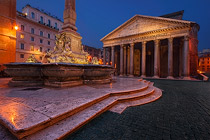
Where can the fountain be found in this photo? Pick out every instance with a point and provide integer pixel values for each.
(67, 65)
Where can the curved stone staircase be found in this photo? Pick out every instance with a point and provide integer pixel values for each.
(64, 124)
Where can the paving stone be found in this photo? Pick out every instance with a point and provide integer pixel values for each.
(182, 113)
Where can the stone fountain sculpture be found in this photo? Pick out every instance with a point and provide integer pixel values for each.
(68, 63)
(63, 52)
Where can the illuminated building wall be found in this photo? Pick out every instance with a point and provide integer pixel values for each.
(36, 34)
(7, 31)
(93, 52)
(204, 63)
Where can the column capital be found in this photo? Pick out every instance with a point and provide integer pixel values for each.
(144, 43)
(157, 42)
(171, 39)
(122, 45)
(112, 47)
(186, 38)
(132, 44)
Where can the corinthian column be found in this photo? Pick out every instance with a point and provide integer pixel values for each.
(143, 68)
(186, 64)
(125, 59)
(121, 60)
(170, 58)
(104, 56)
(112, 57)
(157, 59)
(131, 59)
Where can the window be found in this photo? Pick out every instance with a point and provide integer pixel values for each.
(56, 25)
(21, 55)
(41, 33)
(41, 40)
(41, 19)
(22, 36)
(32, 30)
(32, 38)
(40, 49)
(49, 36)
(48, 42)
(49, 23)
(48, 50)
(32, 48)
(22, 27)
(33, 15)
(22, 46)
(55, 37)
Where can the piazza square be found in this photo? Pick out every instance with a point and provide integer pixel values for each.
(78, 70)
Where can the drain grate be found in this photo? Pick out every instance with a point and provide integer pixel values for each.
(32, 89)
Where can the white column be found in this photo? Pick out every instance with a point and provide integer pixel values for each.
(125, 60)
(108, 55)
(157, 59)
(143, 68)
(186, 60)
(131, 59)
(104, 56)
(170, 58)
(121, 60)
(112, 58)
(128, 61)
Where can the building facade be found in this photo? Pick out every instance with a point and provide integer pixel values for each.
(7, 32)
(36, 33)
(153, 47)
(204, 62)
(93, 52)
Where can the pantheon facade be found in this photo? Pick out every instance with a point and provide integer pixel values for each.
(160, 47)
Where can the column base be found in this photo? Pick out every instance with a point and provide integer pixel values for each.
(187, 78)
(131, 76)
(170, 77)
(143, 76)
(121, 75)
(156, 77)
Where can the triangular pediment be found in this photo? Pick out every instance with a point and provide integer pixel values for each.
(142, 24)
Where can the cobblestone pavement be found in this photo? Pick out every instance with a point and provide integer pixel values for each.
(183, 112)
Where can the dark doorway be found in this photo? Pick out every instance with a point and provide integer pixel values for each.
(150, 59)
(137, 59)
(117, 59)
(164, 58)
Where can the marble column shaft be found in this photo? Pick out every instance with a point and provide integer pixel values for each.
(112, 57)
(170, 58)
(186, 64)
(131, 59)
(157, 59)
(144, 59)
(125, 60)
(121, 60)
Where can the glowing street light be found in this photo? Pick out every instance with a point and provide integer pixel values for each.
(16, 27)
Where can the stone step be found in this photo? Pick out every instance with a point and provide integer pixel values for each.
(69, 125)
(40, 124)
(120, 107)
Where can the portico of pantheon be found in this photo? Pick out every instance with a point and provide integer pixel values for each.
(147, 46)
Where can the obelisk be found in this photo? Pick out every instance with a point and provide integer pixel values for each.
(70, 30)
(70, 15)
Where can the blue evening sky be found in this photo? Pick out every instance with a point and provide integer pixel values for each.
(97, 18)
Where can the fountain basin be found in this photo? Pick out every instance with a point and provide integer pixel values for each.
(58, 74)
(97, 74)
(24, 74)
(62, 75)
